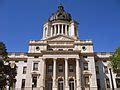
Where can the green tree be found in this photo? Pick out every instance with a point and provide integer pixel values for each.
(115, 60)
(3, 56)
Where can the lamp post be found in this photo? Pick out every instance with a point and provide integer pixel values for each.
(111, 77)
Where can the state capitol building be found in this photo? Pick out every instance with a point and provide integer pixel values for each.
(62, 61)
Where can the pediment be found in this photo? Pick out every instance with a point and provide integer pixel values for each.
(60, 38)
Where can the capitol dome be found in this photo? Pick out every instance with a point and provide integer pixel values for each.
(60, 14)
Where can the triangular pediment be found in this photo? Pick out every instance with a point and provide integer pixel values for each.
(60, 38)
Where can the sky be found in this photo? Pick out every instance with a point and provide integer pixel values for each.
(22, 20)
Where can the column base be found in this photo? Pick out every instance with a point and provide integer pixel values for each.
(54, 88)
(78, 88)
(67, 88)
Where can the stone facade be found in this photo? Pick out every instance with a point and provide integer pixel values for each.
(61, 61)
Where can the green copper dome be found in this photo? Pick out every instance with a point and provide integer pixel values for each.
(60, 14)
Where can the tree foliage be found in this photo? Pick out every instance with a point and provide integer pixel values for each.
(115, 60)
(3, 50)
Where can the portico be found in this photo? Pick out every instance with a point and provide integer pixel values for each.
(63, 73)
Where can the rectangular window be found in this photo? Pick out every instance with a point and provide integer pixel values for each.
(98, 84)
(34, 81)
(24, 70)
(86, 81)
(23, 83)
(71, 68)
(60, 68)
(105, 69)
(50, 68)
(85, 66)
(118, 83)
(35, 66)
(97, 69)
(49, 85)
(107, 83)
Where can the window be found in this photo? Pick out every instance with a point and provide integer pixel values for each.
(60, 84)
(60, 68)
(70, 49)
(37, 48)
(84, 48)
(118, 83)
(34, 81)
(23, 83)
(36, 56)
(107, 83)
(98, 84)
(16, 61)
(105, 69)
(86, 81)
(97, 69)
(24, 70)
(50, 68)
(85, 56)
(35, 66)
(85, 66)
(104, 60)
(49, 85)
(60, 49)
(25, 61)
(71, 84)
(71, 68)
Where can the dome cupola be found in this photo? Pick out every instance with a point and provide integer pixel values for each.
(60, 14)
(60, 23)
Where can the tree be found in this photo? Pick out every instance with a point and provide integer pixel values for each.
(115, 60)
(7, 72)
(3, 51)
(3, 56)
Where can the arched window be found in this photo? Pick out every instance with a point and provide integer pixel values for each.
(71, 84)
(60, 84)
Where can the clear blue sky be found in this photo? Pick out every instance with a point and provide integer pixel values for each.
(22, 20)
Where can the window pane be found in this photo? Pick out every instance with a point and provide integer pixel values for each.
(34, 81)
(35, 66)
(24, 70)
(60, 68)
(118, 83)
(50, 68)
(23, 83)
(71, 68)
(107, 83)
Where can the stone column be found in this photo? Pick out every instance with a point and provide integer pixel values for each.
(66, 74)
(51, 31)
(65, 29)
(55, 30)
(58, 29)
(54, 75)
(62, 29)
(78, 75)
(43, 74)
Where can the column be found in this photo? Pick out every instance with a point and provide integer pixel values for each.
(78, 75)
(51, 31)
(62, 29)
(66, 74)
(58, 29)
(65, 29)
(41, 80)
(55, 30)
(54, 75)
